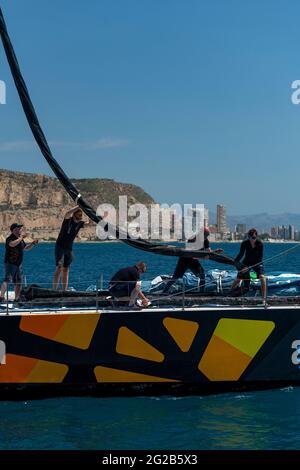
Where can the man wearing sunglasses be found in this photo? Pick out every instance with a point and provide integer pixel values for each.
(252, 251)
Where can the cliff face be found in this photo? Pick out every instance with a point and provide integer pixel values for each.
(39, 202)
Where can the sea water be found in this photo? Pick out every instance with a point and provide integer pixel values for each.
(256, 420)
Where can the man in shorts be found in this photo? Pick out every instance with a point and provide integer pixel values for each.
(14, 248)
(252, 251)
(126, 284)
(72, 223)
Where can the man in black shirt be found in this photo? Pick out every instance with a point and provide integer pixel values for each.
(192, 264)
(252, 250)
(14, 248)
(72, 223)
(126, 285)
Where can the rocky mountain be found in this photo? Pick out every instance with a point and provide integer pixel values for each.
(39, 202)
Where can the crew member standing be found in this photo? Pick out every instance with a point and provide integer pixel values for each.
(14, 248)
(72, 223)
(252, 250)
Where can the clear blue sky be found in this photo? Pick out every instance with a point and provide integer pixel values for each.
(189, 99)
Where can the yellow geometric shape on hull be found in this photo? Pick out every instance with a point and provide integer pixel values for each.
(130, 344)
(182, 331)
(106, 374)
(47, 372)
(221, 361)
(72, 329)
(246, 335)
(22, 369)
(78, 330)
(233, 345)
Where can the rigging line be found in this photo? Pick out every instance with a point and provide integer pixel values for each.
(282, 253)
(174, 294)
(35, 127)
(73, 192)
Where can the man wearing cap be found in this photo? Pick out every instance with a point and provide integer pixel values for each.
(126, 285)
(14, 248)
(72, 223)
(192, 264)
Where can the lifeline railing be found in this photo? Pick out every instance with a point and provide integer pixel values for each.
(96, 300)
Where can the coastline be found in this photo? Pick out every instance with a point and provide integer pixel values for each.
(80, 242)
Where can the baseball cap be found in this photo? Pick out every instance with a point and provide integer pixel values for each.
(13, 226)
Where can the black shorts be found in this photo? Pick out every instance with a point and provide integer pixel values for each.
(13, 273)
(122, 289)
(259, 270)
(183, 264)
(63, 256)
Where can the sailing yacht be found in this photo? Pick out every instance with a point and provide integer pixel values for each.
(85, 344)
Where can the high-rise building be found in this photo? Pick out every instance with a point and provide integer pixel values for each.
(195, 221)
(286, 232)
(199, 217)
(221, 219)
(281, 231)
(241, 229)
(291, 232)
(206, 218)
(274, 232)
(297, 235)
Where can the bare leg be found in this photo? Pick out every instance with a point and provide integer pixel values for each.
(3, 289)
(135, 293)
(235, 283)
(65, 278)
(56, 277)
(263, 286)
(18, 288)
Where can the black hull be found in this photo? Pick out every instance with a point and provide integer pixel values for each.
(195, 351)
(17, 392)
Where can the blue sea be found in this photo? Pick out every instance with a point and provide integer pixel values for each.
(256, 420)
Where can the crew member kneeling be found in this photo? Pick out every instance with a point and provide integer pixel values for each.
(126, 284)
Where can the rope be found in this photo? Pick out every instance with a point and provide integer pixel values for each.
(275, 256)
(282, 253)
(211, 283)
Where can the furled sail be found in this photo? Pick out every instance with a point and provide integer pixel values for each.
(157, 248)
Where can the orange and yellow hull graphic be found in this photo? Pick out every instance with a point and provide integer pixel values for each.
(198, 350)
